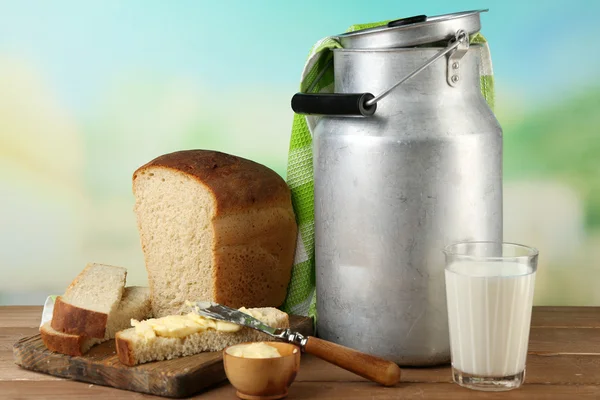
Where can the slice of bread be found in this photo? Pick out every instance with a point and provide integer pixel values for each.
(92, 296)
(214, 227)
(134, 304)
(133, 348)
(64, 343)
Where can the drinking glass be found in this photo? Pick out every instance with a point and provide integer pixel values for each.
(489, 289)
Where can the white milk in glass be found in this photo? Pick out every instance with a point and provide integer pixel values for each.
(489, 312)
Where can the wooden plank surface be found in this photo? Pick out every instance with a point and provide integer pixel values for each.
(9, 336)
(556, 370)
(564, 363)
(446, 391)
(564, 341)
(69, 390)
(565, 317)
(20, 316)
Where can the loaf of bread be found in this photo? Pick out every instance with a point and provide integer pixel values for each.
(214, 227)
(90, 298)
(135, 348)
(135, 304)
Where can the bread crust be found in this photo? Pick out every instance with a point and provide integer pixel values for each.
(124, 351)
(71, 345)
(236, 183)
(74, 320)
(253, 258)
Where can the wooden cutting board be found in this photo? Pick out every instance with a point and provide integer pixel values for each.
(181, 377)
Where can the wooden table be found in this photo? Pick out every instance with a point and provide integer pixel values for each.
(563, 363)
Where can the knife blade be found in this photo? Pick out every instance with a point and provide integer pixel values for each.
(223, 313)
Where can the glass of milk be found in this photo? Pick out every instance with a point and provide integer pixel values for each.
(489, 290)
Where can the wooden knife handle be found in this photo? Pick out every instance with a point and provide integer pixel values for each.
(370, 367)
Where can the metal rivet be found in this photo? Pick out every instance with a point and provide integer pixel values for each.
(455, 65)
(454, 78)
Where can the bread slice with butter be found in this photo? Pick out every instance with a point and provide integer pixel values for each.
(135, 304)
(184, 335)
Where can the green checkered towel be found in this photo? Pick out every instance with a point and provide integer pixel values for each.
(318, 77)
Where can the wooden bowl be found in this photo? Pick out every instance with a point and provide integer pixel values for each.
(263, 378)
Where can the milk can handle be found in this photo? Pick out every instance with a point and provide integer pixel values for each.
(362, 104)
(333, 104)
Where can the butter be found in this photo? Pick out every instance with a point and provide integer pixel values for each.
(176, 326)
(205, 322)
(224, 326)
(254, 350)
(179, 326)
(143, 329)
(255, 313)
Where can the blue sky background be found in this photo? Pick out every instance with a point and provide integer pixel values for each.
(539, 47)
(90, 90)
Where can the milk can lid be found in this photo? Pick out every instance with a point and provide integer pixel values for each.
(413, 31)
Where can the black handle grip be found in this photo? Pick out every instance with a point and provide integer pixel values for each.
(350, 104)
(407, 21)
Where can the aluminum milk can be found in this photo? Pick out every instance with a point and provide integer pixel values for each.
(407, 159)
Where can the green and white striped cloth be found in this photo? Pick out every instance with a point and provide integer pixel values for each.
(301, 297)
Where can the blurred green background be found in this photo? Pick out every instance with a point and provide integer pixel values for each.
(91, 90)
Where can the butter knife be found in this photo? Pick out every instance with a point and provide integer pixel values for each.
(370, 367)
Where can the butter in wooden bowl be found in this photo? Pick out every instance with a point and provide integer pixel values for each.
(254, 350)
(261, 370)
